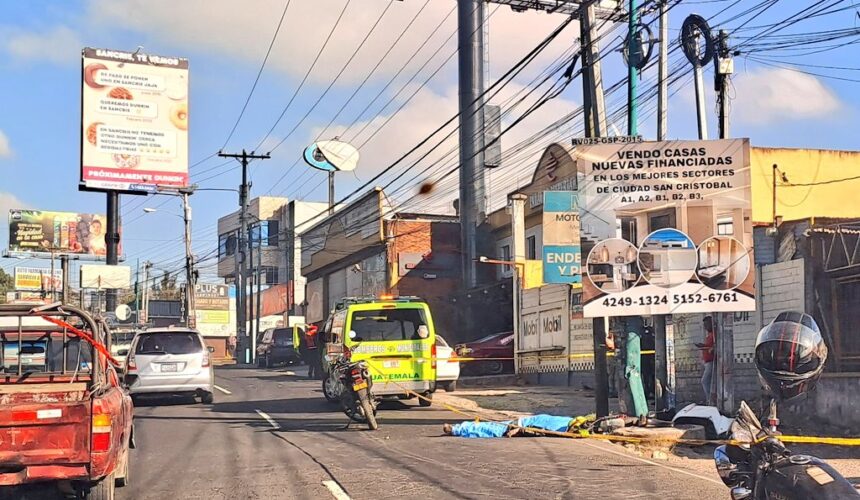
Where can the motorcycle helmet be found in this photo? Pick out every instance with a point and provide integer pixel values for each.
(789, 355)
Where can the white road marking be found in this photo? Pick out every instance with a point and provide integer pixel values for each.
(336, 490)
(640, 459)
(268, 419)
(225, 391)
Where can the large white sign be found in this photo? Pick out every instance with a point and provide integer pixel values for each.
(671, 221)
(135, 120)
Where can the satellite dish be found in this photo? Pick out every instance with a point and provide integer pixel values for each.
(123, 312)
(331, 156)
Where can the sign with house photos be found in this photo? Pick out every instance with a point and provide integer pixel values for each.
(671, 226)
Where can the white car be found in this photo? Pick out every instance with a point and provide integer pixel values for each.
(173, 360)
(447, 371)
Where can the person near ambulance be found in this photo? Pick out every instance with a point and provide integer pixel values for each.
(310, 352)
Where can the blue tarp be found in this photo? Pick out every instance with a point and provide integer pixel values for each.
(471, 429)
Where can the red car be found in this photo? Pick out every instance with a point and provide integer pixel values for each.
(496, 351)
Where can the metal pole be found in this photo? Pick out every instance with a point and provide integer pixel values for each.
(64, 266)
(518, 235)
(662, 75)
(53, 285)
(331, 193)
(632, 72)
(700, 104)
(249, 302)
(190, 313)
(259, 302)
(144, 318)
(112, 241)
(470, 16)
(601, 375)
(137, 292)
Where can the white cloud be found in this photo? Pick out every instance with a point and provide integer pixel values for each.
(59, 45)
(237, 31)
(767, 96)
(5, 148)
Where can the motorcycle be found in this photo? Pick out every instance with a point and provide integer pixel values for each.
(761, 467)
(352, 384)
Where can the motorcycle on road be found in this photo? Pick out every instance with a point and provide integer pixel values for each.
(350, 384)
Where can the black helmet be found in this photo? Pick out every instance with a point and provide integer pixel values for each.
(790, 355)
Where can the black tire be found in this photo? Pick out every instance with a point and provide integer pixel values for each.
(494, 368)
(328, 391)
(124, 477)
(450, 386)
(426, 399)
(369, 415)
(103, 490)
(207, 398)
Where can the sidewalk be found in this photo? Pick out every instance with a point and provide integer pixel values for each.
(511, 401)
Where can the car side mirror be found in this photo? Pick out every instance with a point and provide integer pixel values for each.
(122, 352)
(210, 348)
(352, 334)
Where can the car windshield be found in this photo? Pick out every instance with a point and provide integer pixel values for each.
(283, 337)
(488, 338)
(168, 343)
(389, 325)
(440, 341)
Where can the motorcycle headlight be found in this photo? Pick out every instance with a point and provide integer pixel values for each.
(725, 467)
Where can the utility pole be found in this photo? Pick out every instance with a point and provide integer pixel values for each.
(470, 54)
(137, 292)
(518, 238)
(112, 242)
(723, 67)
(143, 319)
(632, 71)
(251, 297)
(241, 328)
(663, 74)
(592, 81)
(190, 309)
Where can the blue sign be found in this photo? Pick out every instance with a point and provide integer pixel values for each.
(561, 264)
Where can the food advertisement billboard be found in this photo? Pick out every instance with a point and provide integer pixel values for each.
(37, 278)
(42, 233)
(134, 108)
(670, 226)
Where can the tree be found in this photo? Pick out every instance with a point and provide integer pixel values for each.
(7, 284)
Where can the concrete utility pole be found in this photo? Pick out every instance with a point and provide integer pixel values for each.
(470, 55)
(143, 319)
(592, 76)
(64, 266)
(241, 293)
(190, 308)
(663, 74)
(518, 237)
(723, 67)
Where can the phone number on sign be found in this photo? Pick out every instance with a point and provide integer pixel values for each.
(685, 298)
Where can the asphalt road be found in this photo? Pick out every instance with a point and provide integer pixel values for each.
(275, 436)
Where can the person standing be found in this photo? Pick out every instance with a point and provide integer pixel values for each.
(707, 348)
(309, 349)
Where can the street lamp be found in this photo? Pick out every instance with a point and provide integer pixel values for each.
(190, 314)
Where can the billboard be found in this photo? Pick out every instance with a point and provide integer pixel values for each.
(561, 249)
(214, 310)
(41, 232)
(671, 226)
(37, 278)
(134, 111)
(103, 277)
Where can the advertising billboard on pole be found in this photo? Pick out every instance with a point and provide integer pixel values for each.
(671, 227)
(38, 233)
(134, 131)
(561, 244)
(37, 278)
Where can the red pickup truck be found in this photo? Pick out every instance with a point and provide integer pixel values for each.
(64, 415)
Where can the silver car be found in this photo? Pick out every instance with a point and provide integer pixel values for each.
(174, 361)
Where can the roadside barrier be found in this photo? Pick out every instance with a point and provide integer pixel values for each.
(475, 414)
(459, 359)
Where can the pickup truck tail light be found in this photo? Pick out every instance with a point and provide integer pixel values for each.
(101, 432)
(433, 356)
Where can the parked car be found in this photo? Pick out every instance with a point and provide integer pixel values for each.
(276, 345)
(498, 349)
(171, 361)
(447, 366)
(65, 419)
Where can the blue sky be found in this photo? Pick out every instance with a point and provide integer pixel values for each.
(40, 44)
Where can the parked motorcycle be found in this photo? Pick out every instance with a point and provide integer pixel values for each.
(790, 355)
(351, 384)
